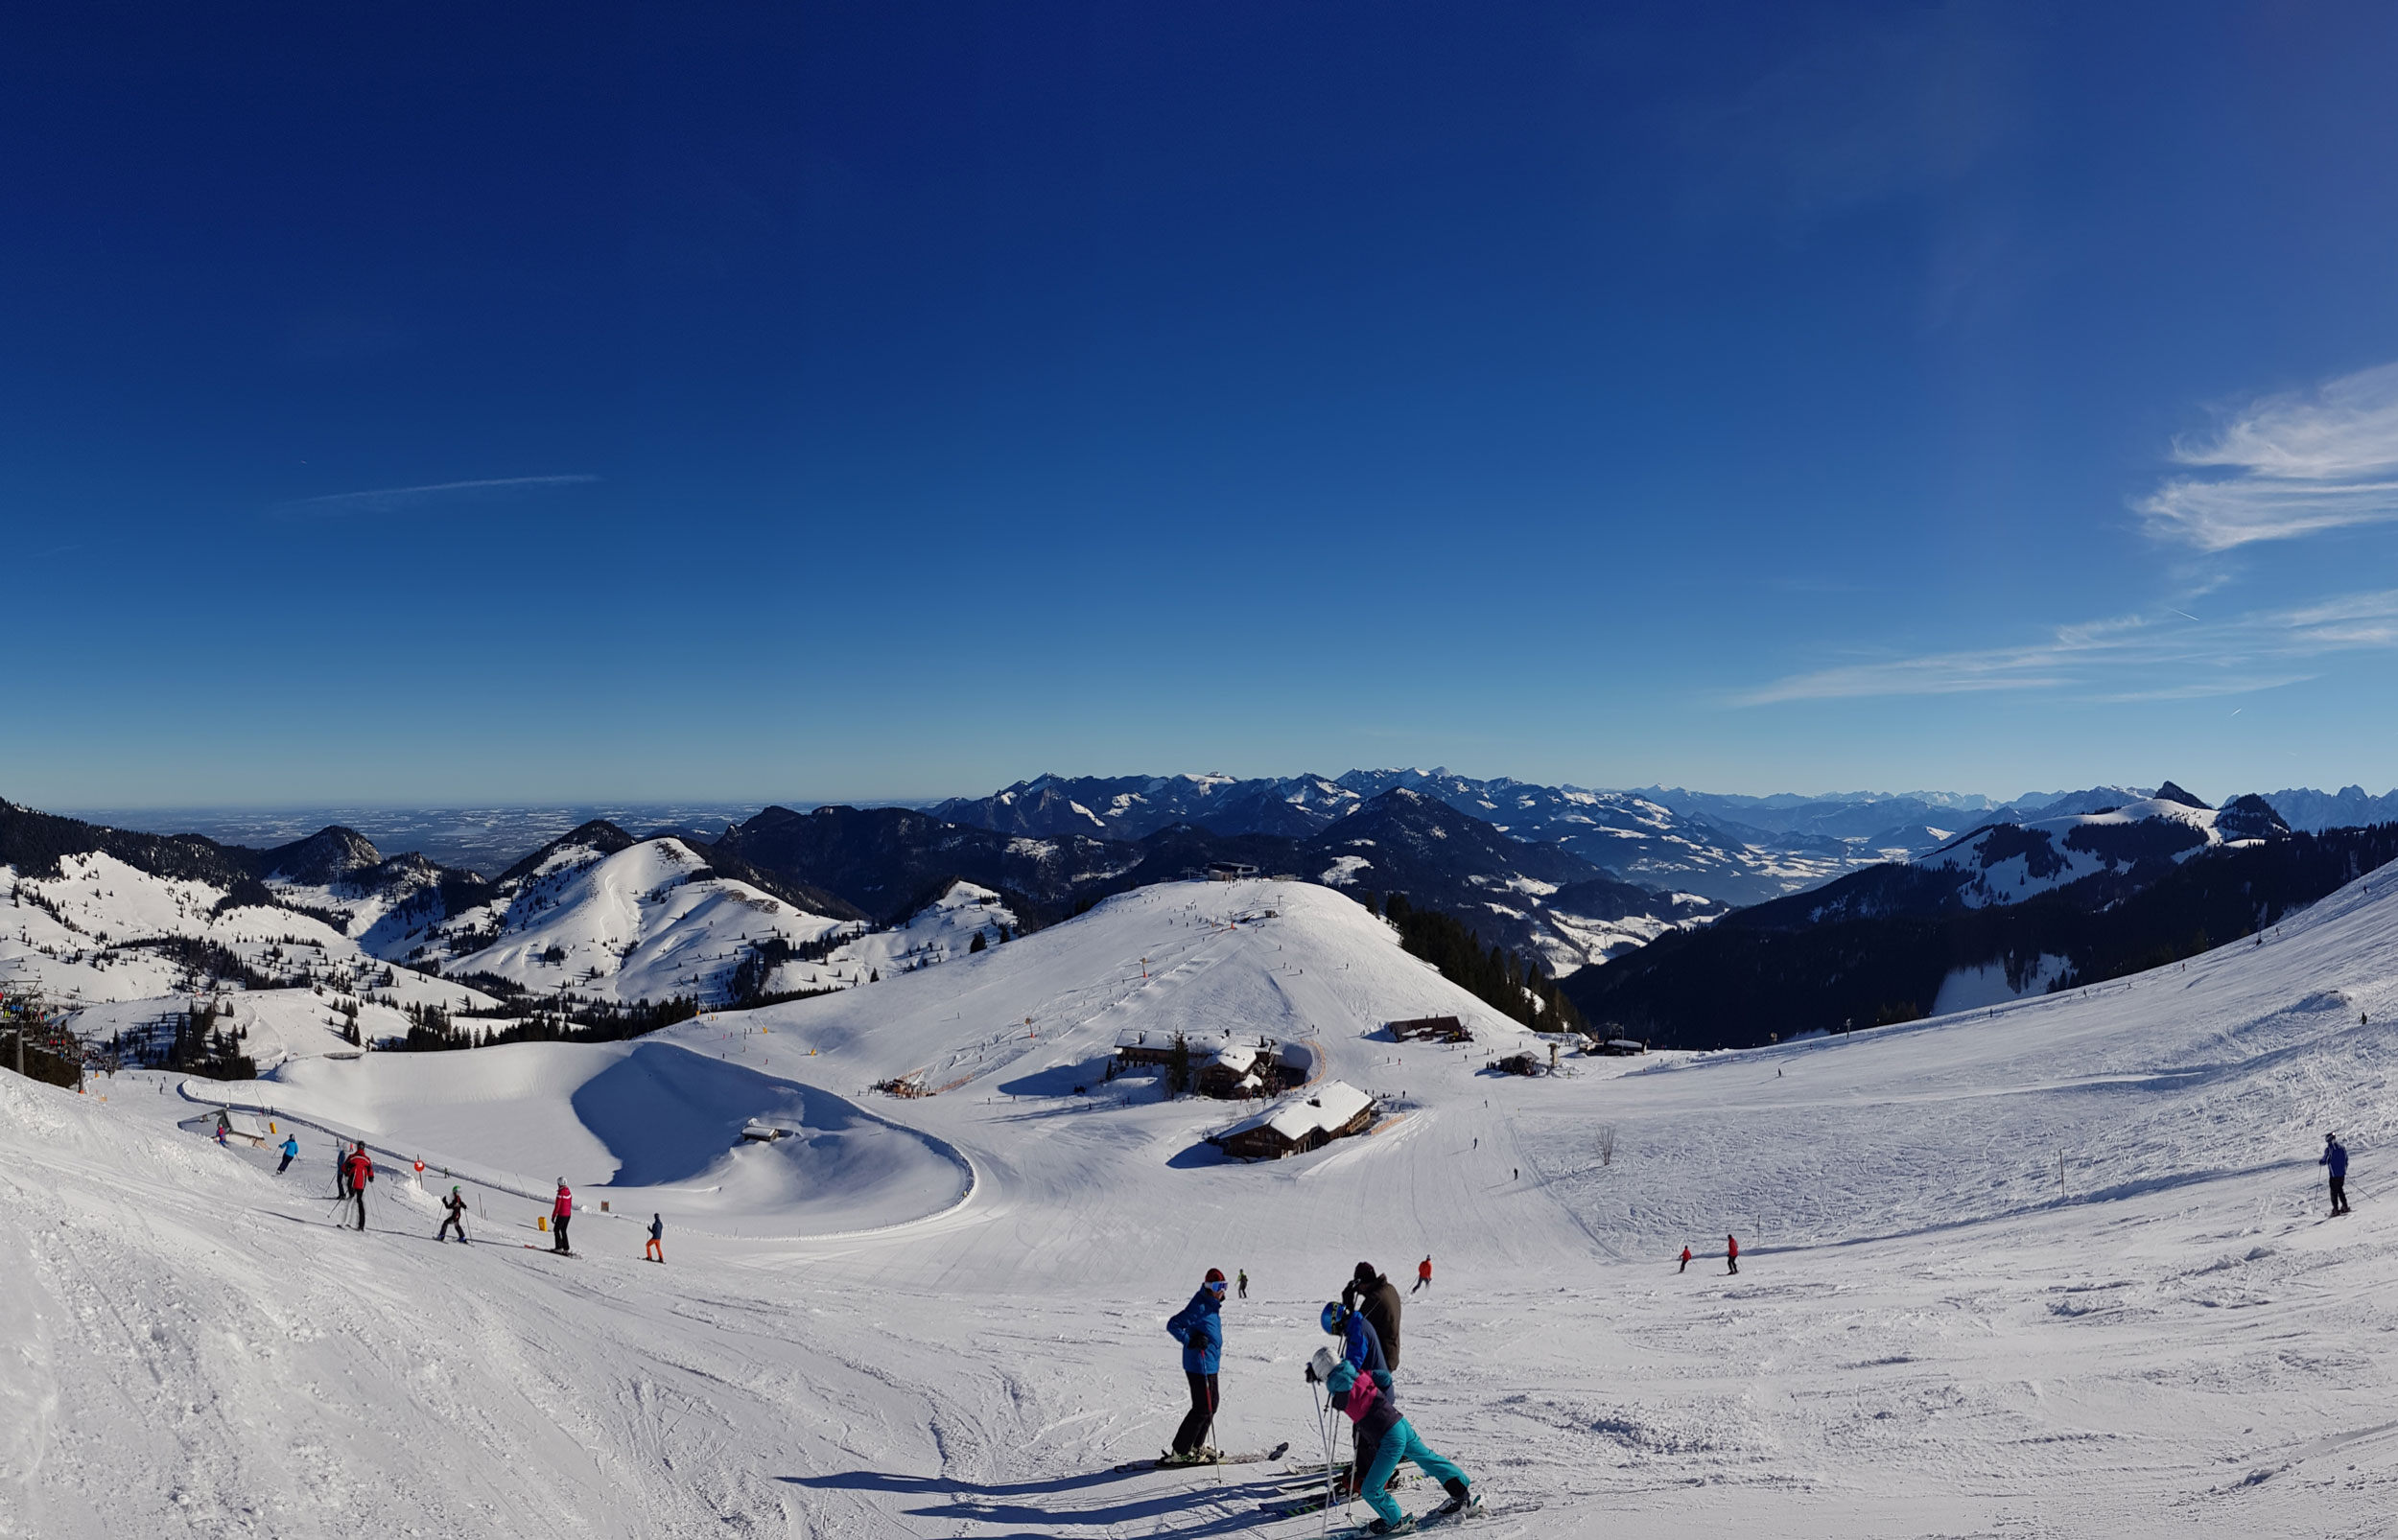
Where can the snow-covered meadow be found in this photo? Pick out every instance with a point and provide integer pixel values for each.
(2052, 1267)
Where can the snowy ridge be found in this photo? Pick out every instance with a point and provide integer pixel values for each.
(650, 921)
(84, 938)
(2008, 863)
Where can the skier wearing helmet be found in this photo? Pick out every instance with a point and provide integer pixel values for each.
(456, 1203)
(1361, 1349)
(1364, 1399)
(559, 1213)
(1199, 1326)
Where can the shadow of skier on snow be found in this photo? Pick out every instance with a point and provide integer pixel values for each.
(988, 1504)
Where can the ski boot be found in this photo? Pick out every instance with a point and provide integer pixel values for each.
(1462, 1504)
(1405, 1526)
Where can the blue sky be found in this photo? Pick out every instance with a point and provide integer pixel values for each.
(863, 401)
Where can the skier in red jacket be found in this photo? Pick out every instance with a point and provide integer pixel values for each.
(1731, 1254)
(559, 1213)
(358, 1171)
(1685, 1261)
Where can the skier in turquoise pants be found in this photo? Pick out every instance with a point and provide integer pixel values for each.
(1367, 1401)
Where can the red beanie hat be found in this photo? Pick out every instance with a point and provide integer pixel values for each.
(1216, 1275)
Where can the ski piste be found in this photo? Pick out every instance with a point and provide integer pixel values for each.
(1439, 1518)
(1256, 1457)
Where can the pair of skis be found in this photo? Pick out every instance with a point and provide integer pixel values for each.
(1170, 1463)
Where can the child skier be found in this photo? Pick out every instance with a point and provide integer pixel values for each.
(1361, 1349)
(456, 1203)
(655, 1251)
(1366, 1401)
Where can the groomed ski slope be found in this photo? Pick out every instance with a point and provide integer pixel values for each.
(1927, 1337)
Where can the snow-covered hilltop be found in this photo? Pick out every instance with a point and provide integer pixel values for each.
(2008, 863)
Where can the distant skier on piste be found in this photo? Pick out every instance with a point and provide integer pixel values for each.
(1731, 1254)
(1364, 1399)
(1199, 1326)
(1685, 1261)
(561, 1211)
(2335, 1156)
(1424, 1274)
(358, 1173)
(291, 1147)
(1244, 1283)
(655, 1251)
(456, 1203)
(340, 1171)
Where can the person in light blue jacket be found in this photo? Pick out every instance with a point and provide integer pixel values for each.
(291, 1147)
(1199, 1326)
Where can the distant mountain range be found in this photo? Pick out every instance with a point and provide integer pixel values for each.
(1629, 835)
(1564, 875)
(2008, 910)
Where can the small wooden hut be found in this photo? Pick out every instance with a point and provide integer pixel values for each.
(1299, 1124)
(1437, 1029)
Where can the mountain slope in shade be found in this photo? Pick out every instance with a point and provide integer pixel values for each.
(1785, 967)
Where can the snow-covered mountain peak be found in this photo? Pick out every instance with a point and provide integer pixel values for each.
(2134, 841)
(325, 857)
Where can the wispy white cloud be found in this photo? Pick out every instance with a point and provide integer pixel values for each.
(2125, 657)
(2287, 466)
(392, 498)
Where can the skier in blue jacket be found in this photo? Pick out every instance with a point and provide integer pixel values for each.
(2335, 1156)
(291, 1147)
(1199, 1326)
(1366, 1400)
(1361, 1344)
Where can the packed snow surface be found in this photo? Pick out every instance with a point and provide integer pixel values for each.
(2052, 1267)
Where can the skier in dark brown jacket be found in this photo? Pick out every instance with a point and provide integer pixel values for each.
(1375, 1297)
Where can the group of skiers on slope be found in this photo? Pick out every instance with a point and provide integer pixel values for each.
(1731, 1256)
(1359, 1380)
(353, 1169)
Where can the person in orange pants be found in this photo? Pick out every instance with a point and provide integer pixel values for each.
(655, 1251)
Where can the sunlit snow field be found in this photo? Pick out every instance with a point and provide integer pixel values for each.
(2057, 1268)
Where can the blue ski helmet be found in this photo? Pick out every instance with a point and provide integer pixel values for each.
(1334, 1314)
